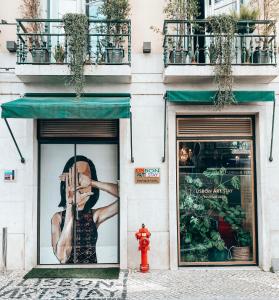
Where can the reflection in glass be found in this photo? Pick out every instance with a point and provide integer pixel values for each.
(216, 209)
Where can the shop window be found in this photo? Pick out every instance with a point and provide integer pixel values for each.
(216, 209)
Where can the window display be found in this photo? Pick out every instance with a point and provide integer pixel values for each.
(216, 202)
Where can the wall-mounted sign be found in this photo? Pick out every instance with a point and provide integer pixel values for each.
(9, 175)
(147, 175)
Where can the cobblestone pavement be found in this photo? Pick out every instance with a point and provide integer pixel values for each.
(182, 284)
(204, 284)
(12, 286)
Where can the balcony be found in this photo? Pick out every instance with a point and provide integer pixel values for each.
(43, 51)
(189, 52)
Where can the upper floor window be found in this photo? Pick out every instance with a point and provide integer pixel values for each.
(93, 9)
(56, 9)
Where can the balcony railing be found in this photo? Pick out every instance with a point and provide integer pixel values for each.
(43, 41)
(193, 42)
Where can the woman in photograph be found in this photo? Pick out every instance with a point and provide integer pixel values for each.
(75, 229)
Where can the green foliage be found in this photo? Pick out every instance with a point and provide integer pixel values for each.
(199, 212)
(246, 13)
(182, 9)
(223, 28)
(76, 30)
(115, 9)
(59, 53)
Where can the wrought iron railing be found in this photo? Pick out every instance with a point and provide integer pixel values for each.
(43, 41)
(193, 42)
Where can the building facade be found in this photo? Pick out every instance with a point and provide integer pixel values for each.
(148, 114)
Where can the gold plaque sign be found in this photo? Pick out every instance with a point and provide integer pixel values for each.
(147, 175)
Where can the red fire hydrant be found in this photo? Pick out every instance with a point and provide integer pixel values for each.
(143, 236)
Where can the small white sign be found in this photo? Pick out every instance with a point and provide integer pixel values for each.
(9, 175)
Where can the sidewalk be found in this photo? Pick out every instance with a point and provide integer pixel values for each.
(182, 284)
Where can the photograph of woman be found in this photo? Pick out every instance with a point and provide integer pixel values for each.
(74, 230)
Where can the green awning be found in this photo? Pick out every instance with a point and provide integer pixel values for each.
(67, 106)
(207, 97)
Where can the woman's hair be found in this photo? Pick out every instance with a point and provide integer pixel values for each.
(93, 198)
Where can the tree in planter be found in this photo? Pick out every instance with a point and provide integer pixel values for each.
(114, 11)
(223, 28)
(246, 13)
(199, 213)
(76, 30)
(268, 10)
(31, 9)
(181, 10)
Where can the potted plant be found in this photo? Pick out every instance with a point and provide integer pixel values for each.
(37, 46)
(246, 19)
(235, 217)
(59, 54)
(181, 10)
(242, 250)
(267, 12)
(245, 25)
(115, 11)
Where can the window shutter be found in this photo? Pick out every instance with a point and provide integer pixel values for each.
(214, 127)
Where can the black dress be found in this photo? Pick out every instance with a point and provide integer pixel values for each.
(86, 239)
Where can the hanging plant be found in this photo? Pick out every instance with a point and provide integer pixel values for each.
(76, 30)
(223, 29)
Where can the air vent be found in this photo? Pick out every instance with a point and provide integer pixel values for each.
(207, 127)
(78, 128)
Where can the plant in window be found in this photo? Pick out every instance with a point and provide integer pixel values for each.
(235, 217)
(31, 9)
(115, 11)
(223, 28)
(76, 30)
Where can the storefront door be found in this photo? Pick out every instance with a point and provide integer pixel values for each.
(216, 191)
(78, 205)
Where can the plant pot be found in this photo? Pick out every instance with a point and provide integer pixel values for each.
(177, 57)
(60, 61)
(261, 57)
(40, 56)
(217, 255)
(241, 253)
(114, 55)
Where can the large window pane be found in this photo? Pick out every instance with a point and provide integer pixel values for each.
(216, 202)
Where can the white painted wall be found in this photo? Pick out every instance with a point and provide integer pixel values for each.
(155, 205)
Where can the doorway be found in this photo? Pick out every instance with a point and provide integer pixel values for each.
(78, 213)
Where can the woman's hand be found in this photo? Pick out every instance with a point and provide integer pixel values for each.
(84, 181)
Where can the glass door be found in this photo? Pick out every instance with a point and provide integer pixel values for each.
(78, 210)
(216, 208)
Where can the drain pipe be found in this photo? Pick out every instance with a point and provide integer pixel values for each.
(4, 248)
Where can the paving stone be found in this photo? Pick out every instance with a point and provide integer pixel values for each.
(201, 284)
